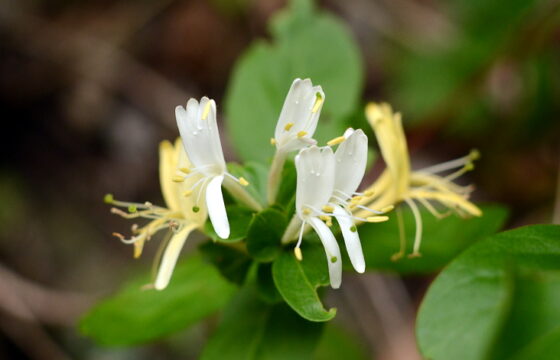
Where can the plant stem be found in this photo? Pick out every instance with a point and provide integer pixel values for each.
(274, 175)
(292, 231)
(239, 192)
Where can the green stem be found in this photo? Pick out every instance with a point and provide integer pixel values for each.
(274, 175)
(239, 192)
(292, 231)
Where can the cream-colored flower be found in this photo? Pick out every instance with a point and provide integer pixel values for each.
(295, 127)
(178, 215)
(398, 183)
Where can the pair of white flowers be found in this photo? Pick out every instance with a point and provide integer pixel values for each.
(326, 180)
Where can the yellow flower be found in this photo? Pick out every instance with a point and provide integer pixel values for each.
(398, 183)
(183, 214)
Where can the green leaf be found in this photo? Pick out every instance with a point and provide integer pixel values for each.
(134, 316)
(265, 233)
(533, 311)
(302, 46)
(265, 284)
(252, 329)
(489, 287)
(233, 263)
(339, 343)
(297, 282)
(546, 347)
(442, 239)
(239, 218)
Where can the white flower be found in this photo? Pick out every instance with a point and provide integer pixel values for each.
(299, 116)
(295, 128)
(199, 132)
(315, 181)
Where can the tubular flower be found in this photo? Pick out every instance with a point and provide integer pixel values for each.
(399, 184)
(295, 128)
(177, 217)
(351, 159)
(315, 183)
(199, 131)
(298, 118)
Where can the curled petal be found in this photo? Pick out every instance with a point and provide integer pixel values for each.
(170, 255)
(216, 207)
(332, 251)
(351, 238)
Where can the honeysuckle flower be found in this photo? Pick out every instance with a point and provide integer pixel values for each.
(199, 131)
(295, 127)
(299, 116)
(398, 183)
(315, 183)
(177, 217)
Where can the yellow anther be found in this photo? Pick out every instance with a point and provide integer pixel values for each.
(387, 208)
(352, 205)
(356, 199)
(288, 126)
(298, 254)
(185, 170)
(377, 219)
(272, 141)
(187, 193)
(243, 182)
(328, 208)
(329, 223)
(369, 193)
(306, 211)
(206, 110)
(301, 134)
(318, 102)
(469, 166)
(325, 217)
(178, 179)
(336, 141)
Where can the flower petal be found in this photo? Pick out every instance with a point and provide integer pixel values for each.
(315, 177)
(332, 251)
(392, 143)
(186, 203)
(199, 131)
(351, 238)
(216, 207)
(170, 255)
(351, 159)
(300, 113)
(167, 169)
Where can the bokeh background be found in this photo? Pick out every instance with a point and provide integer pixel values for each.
(88, 90)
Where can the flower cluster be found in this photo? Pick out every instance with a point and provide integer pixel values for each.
(193, 171)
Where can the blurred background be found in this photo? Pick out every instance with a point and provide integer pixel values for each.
(88, 90)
